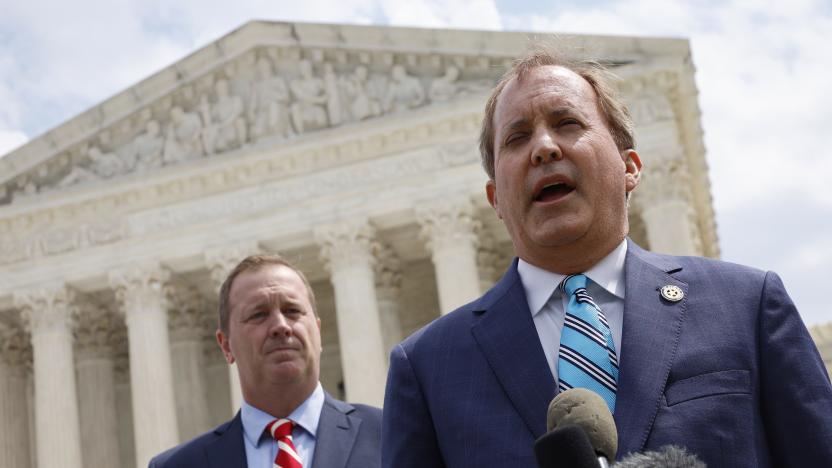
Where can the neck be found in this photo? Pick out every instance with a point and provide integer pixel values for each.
(574, 258)
(279, 400)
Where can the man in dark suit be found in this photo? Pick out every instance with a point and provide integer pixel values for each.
(688, 351)
(270, 327)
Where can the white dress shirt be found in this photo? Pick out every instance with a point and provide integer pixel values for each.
(261, 449)
(547, 305)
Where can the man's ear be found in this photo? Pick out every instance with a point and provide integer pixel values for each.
(225, 346)
(632, 169)
(491, 193)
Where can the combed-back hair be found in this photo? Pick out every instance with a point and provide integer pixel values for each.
(612, 108)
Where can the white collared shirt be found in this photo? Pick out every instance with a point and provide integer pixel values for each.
(547, 305)
(261, 449)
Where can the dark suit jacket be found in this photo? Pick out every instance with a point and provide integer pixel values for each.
(349, 436)
(730, 372)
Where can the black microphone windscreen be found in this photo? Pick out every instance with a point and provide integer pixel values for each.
(566, 446)
(586, 409)
(669, 456)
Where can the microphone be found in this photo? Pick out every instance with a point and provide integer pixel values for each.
(586, 410)
(668, 456)
(565, 446)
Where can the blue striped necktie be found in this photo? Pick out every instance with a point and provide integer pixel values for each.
(587, 356)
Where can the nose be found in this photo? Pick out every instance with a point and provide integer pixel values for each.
(545, 149)
(279, 326)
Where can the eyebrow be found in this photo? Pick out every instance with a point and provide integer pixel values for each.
(564, 111)
(558, 112)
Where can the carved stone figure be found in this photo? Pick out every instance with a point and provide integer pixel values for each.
(269, 103)
(225, 125)
(308, 110)
(184, 137)
(334, 107)
(101, 166)
(444, 87)
(146, 149)
(359, 101)
(241, 74)
(404, 91)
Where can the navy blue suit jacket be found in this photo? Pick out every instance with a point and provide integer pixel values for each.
(349, 436)
(729, 372)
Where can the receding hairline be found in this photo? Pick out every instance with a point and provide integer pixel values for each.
(269, 266)
(575, 77)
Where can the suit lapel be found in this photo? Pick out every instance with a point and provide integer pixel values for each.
(337, 431)
(229, 449)
(508, 339)
(649, 340)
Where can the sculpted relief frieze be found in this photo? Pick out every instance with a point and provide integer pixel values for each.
(270, 93)
(52, 231)
(57, 240)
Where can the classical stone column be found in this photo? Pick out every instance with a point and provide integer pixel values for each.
(388, 277)
(220, 263)
(49, 316)
(187, 328)
(14, 415)
(489, 261)
(449, 228)
(664, 198)
(142, 300)
(346, 249)
(124, 402)
(822, 335)
(95, 365)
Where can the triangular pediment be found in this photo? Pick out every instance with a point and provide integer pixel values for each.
(271, 83)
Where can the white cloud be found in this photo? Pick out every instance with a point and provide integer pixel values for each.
(63, 57)
(480, 14)
(11, 139)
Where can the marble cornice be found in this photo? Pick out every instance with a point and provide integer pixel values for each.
(248, 183)
(82, 209)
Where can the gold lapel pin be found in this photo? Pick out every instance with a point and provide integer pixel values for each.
(672, 293)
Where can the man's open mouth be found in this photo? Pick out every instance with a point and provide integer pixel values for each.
(553, 191)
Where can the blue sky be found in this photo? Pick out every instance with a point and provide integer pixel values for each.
(764, 71)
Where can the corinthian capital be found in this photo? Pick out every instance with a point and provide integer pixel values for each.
(47, 308)
(94, 331)
(346, 243)
(222, 260)
(185, 312)
(15, 349)
(666, 181)
(388, 271)
(140, 287)
(448, 222)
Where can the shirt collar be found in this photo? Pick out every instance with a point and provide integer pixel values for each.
(541, 284)
(306, 416)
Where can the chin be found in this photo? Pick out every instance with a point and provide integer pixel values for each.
(557, 235)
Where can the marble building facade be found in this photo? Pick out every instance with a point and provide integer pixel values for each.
(351, 150)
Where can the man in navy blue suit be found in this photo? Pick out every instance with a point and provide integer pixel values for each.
(270, 327)
(707, 355)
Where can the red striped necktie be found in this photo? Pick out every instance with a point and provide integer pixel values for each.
(281, 431)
